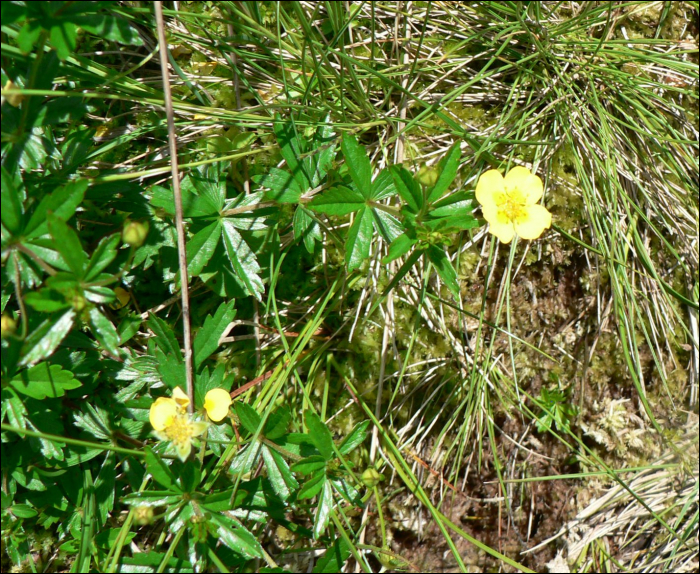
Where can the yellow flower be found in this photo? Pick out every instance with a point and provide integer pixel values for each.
(216, 403)
(510, 204)
(171, 422)
(180, 432)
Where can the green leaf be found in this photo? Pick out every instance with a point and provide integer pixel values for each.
(249, 418)
(104, 331)
(282, 186)
(207, 339)
(44, 380)
(243, 260)
(358, 165)
(320, 435)
(160, 471)
(236, 537)
(46, 300)
(44, 340)
(277, 423)
(128, 328)
(290, 148)
(309, 464)
(306, 227)
(63, 202)
(281, 479)
(323, 510)
(165, 338)
(312, 486)
(201, 247)
(333, 559)
(409, 189)
(68, 245)
(104, 488)
(359, 239)
(339, 200)
(388, 226)
(111, 27)
(11, 204)
(63, 36)
(399, 247)
(322, 161)
(444, 267)
(207, 191)
(356, 437)
(383, 185)
(447, 170)
(104, 254)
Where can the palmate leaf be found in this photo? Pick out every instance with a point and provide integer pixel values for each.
(359, 239)
(443, 265)
(358, 165)
(207, 339)
(201, 247)
(447, 170)
(339, 200)
(306, 227)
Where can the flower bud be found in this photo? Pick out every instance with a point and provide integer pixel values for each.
(371, 477)
(427, 176)
(135, 233)
(143, 515)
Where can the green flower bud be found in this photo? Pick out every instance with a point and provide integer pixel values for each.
(135, 232)
(143, 515)
(371, 478)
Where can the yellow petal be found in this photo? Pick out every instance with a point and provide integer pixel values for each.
(181, 398)
(536, 221)
(490, 182)
(183, 450)
(198, 428)
(529, 185)
(162, 413)
(216, 403)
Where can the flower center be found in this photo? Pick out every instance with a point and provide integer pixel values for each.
(511, 206)
(180, 430)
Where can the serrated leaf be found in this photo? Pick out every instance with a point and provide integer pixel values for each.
(383, 185)
(248, 416)
(444, 267)
(409, 189)
(306, 227)
(312, 486)
(236, 537)
(309, 465)
(281, 479)
(323, 510)
(359, 239)
(339, 200)
(277, 422)
(388, 226)
(95, 421)
(44, 380)
(103, 255)
(356, 437)
(160, 471)
(201, 247)
(171, 369)
(347, 491)
(63, 202)
(282, 186)
(243, 260)
(447, 170)
(253, 221)
(399, 247)
(358, 165)
(104, 331)
(68, 245)
(320, 435)
(207, 339)
(44, 340)
(290, 148)
(165, 338)
(321, 161)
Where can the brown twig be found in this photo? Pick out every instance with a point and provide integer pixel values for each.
(181, 250)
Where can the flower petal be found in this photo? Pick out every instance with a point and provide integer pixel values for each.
(490, 182)
(198, 428)
(181, 398)
(529, 185)
(216, 403)
(162, 413)
(504, 231)
(183, 449)
(537, 220)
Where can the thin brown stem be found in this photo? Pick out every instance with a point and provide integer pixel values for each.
(181, 250)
